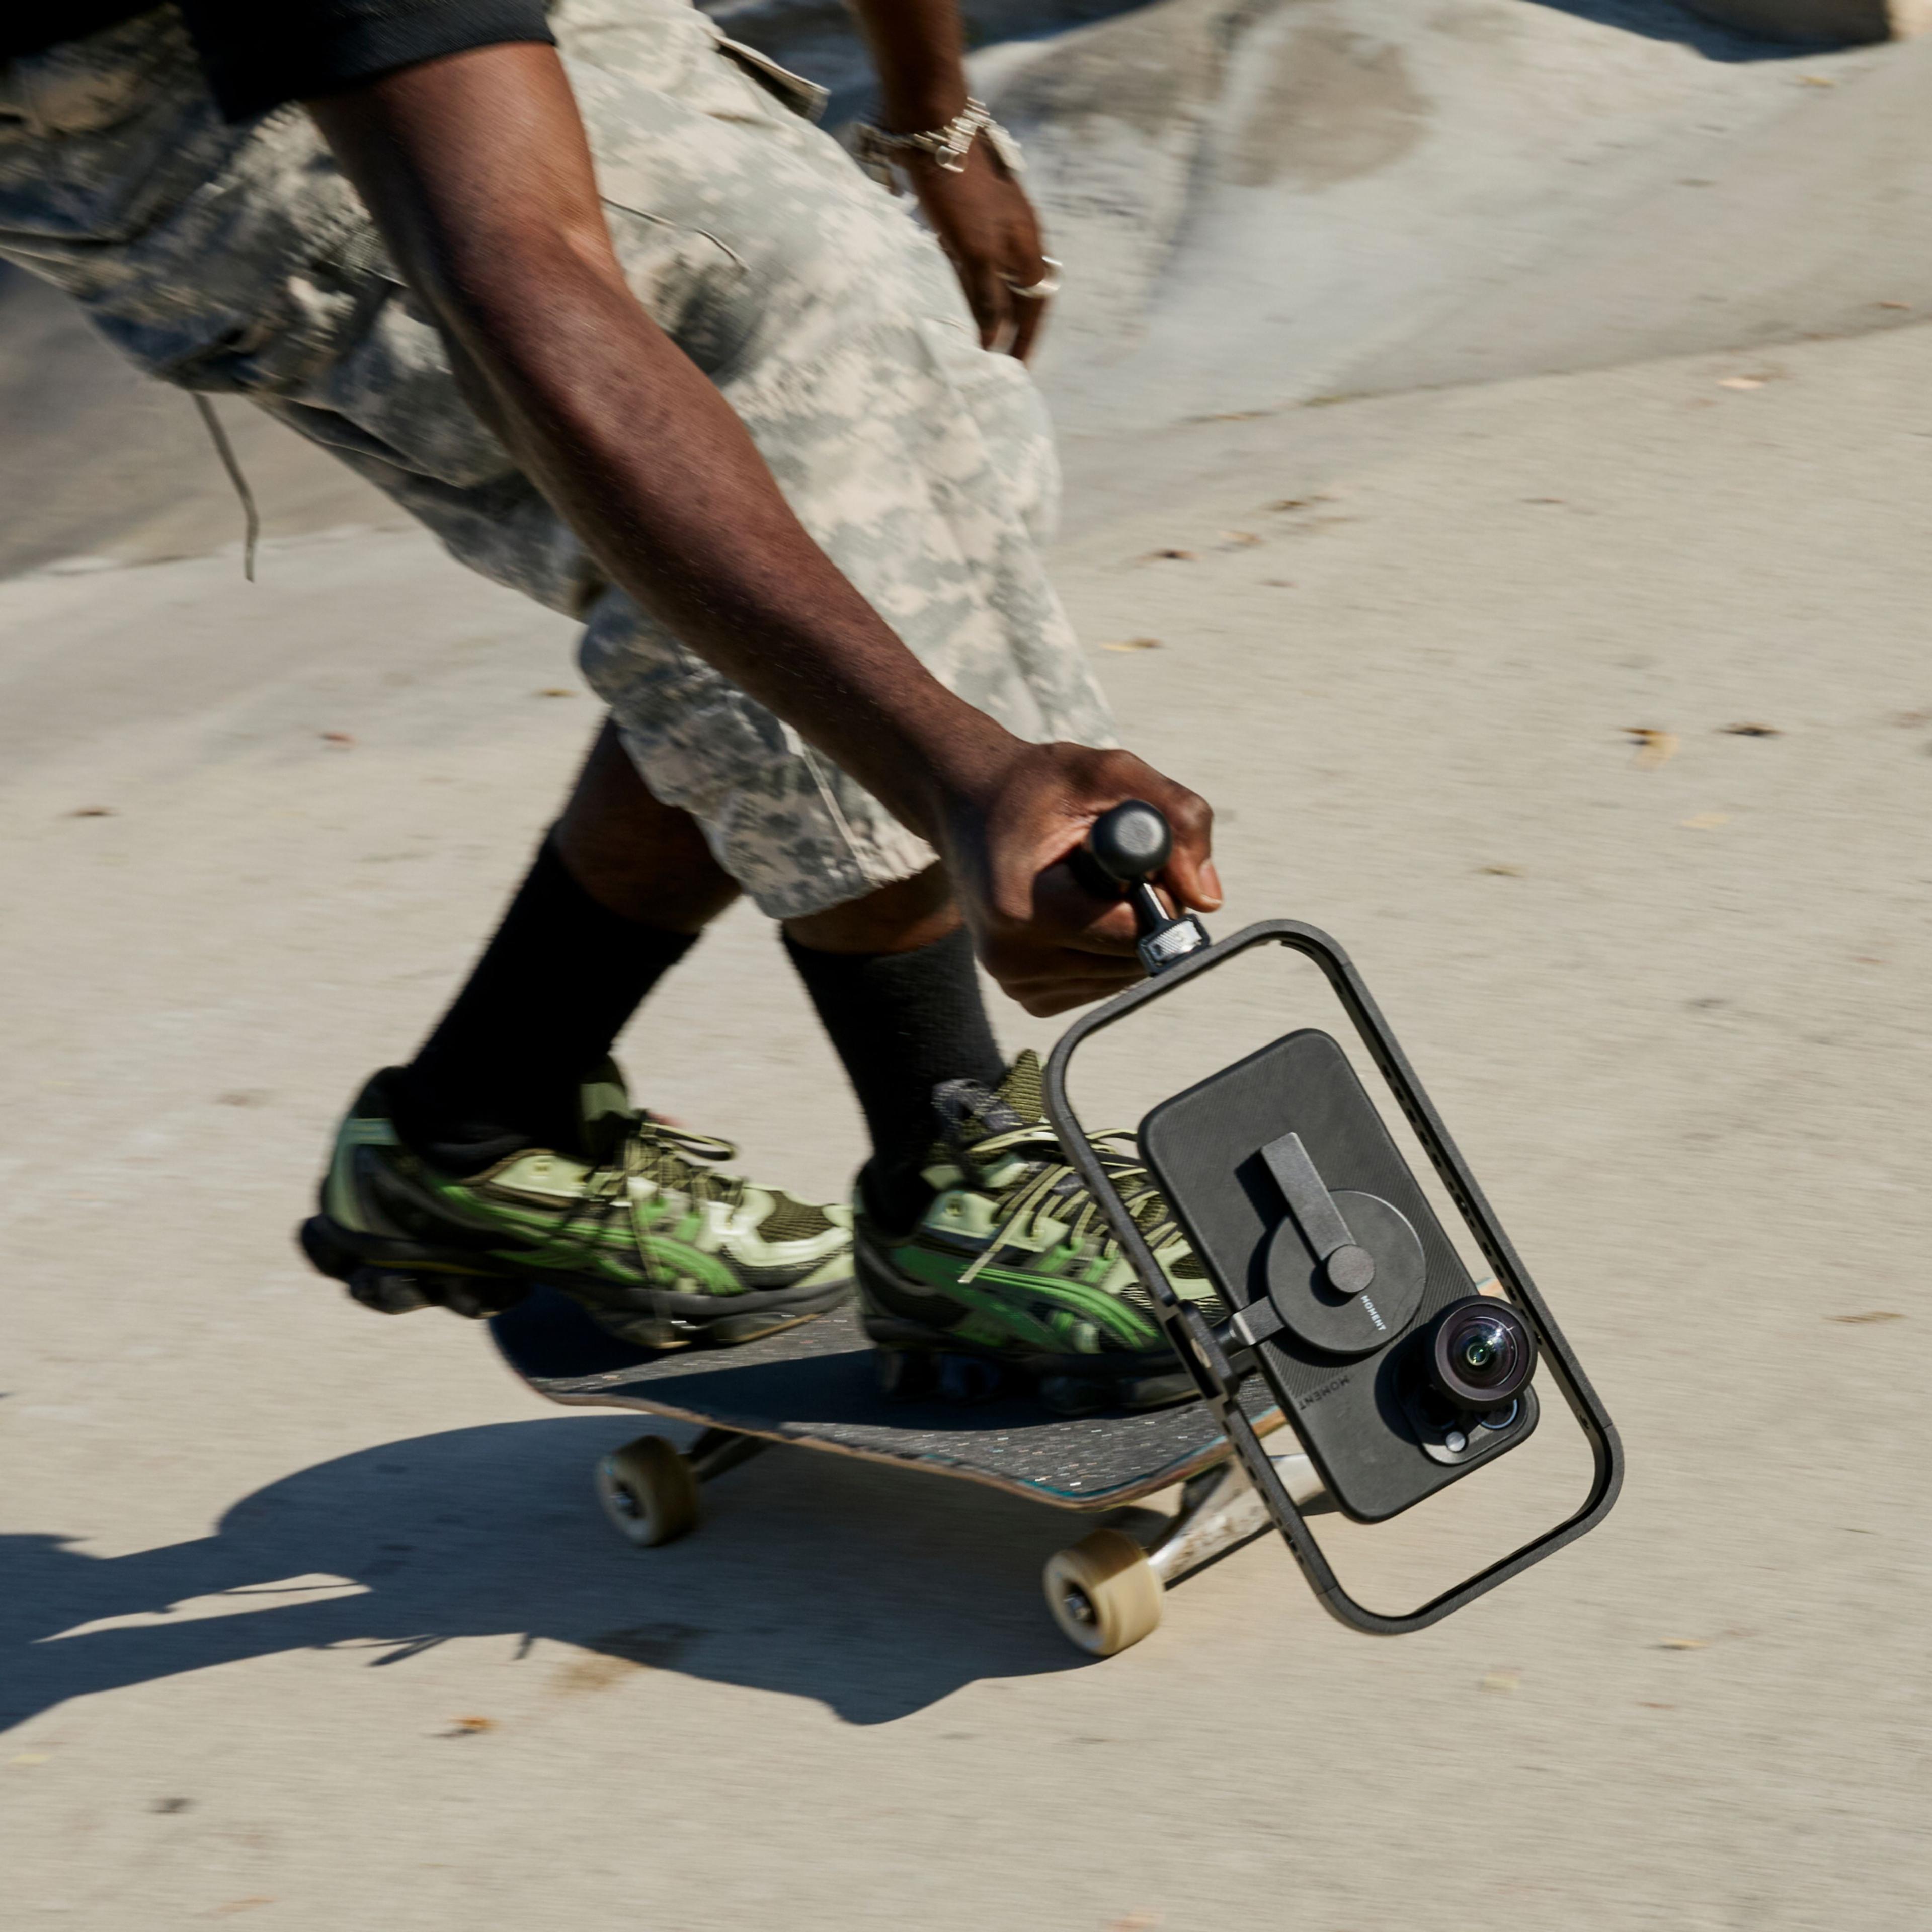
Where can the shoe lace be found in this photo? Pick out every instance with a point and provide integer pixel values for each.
(1039, 1190)
(671, 1157)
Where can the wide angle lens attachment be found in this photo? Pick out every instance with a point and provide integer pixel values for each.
(1481, 1353)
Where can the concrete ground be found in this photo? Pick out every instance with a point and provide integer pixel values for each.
(308, 1618)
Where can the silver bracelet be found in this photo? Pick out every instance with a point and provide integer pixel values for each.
(948, 146)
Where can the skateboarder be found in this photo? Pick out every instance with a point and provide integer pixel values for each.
(582, 288)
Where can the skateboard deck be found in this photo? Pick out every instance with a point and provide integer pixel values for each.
(815, 1386)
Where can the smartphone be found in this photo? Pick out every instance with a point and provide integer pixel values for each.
(1397, 1375)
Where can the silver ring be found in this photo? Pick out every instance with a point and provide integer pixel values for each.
(1048, 285)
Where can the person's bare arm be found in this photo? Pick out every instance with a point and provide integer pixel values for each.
(981, 215)
(475, 168)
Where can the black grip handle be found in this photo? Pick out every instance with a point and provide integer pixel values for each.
(1126, 846)
(1131, 842)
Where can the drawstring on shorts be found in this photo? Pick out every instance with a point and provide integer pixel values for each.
(223, 448)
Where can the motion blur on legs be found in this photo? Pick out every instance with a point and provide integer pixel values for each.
(624, 886)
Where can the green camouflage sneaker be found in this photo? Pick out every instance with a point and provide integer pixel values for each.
(1013, 1265)
(658, 1244)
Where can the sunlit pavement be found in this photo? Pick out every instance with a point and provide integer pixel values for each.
(310, 1618)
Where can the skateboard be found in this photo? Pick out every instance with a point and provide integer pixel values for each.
(817, 1387)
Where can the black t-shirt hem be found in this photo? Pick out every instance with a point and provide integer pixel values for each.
(326, 49)
(257, 56)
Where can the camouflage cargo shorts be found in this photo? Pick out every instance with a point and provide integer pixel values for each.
(237, 260)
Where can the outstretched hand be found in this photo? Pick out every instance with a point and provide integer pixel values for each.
(1050, 943)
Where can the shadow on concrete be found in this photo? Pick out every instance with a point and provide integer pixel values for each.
(813, 1577)
(1664, 20)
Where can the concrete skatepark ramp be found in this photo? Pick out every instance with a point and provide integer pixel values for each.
(1263, 204)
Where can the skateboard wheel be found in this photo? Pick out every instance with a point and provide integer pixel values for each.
(1103, 1592)
(648, 1491)
(903, 1374)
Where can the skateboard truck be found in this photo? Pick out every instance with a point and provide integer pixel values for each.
(1397, 1371)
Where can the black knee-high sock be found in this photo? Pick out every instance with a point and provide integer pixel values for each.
(551, 992)
(902, 1022)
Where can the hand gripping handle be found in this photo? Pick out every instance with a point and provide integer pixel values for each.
(1125, 847)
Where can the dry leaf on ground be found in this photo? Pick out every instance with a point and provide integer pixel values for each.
(1242, 538)
(1747, 729)
(92, 812)
(1869, 1315)
(1171, 555)
(336, 738)
(1134, 644)
(1502, 872)
(1685, 1643)
(556, 691)
(469, 1727)
(1653, 746)
(1740, 382)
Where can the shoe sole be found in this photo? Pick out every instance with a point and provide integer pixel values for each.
(396, 1278)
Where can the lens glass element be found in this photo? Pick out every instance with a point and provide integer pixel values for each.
(1484, 1349)
(1482, 1354)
